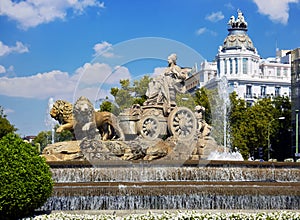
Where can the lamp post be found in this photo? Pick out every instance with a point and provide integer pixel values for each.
(297, 133)
(280, 118)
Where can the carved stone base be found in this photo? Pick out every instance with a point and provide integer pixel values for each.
(63, 151)
(96, 150)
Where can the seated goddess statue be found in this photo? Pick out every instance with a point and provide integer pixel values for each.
(162, 90)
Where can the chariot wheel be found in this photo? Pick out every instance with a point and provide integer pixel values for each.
(149, 127)
(182, 123)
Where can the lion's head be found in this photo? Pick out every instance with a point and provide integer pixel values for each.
(83, 111)
(62, 111)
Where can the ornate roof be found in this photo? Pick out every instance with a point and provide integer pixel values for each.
(237, 37)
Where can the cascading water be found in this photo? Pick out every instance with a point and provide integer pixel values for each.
(49, 121)
(210, 185)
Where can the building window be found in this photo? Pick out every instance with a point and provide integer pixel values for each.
(263, 91)
(231, 68)
(278, 71)
(277, 91)
(245, 65)
(236, 65)
(285, 71)
(248, 91)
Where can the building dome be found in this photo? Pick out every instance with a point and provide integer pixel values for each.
(237, 37)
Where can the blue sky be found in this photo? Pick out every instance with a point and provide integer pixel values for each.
(62, 49)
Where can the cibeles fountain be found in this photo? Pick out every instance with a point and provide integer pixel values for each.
(154, 156)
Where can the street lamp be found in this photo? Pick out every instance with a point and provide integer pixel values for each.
(297, 133)
(280, 118)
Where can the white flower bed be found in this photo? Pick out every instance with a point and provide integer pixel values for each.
(191, 215)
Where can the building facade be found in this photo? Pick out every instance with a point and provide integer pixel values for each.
(250, 76)
(295, 57)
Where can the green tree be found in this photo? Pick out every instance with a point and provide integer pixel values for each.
(128, 95)
(5, 126)
(106, 106)
(186, 100)
(25, 178)
(280, 135)
(249, 125)
(123, 95)
(258, 117)
(45, 137)
(237, 118)
(140, 87)
(201, 98)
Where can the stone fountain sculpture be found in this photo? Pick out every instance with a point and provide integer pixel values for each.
(157, 129)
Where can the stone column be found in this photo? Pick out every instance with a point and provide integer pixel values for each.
(233, 66)
(222, 67)
(240, 61)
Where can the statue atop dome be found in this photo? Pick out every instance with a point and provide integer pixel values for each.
(239, 23)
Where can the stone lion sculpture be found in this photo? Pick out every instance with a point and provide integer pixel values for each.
(106, 122)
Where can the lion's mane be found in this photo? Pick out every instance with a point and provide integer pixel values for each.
(62, 111)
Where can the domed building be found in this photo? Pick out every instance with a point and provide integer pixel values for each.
(247, 74)
(237, 57)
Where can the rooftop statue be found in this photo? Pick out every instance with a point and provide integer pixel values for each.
(239, 22)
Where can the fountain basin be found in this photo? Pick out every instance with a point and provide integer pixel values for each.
(165, 185)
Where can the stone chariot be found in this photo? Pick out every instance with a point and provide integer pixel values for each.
(155, 121)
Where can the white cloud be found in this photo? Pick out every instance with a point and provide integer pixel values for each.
(18, 48)
(276, 10)
(229, 6)
(98, 73)
(41, 85)
(2, 69)
(203, 30)
(103, 49)
(86, 81)
(215, 16)
(30, 13)
(158, 71)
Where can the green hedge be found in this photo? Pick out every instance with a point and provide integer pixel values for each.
(25, 178)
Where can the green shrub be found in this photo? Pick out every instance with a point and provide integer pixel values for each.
(25, 178)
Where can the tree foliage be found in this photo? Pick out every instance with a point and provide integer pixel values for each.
(5, 126)
(280, 137)
(186, 100)
(25, 178)
(253, 127)
(45, 137)
(129, 94)
(201, 98)
(238, 124)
